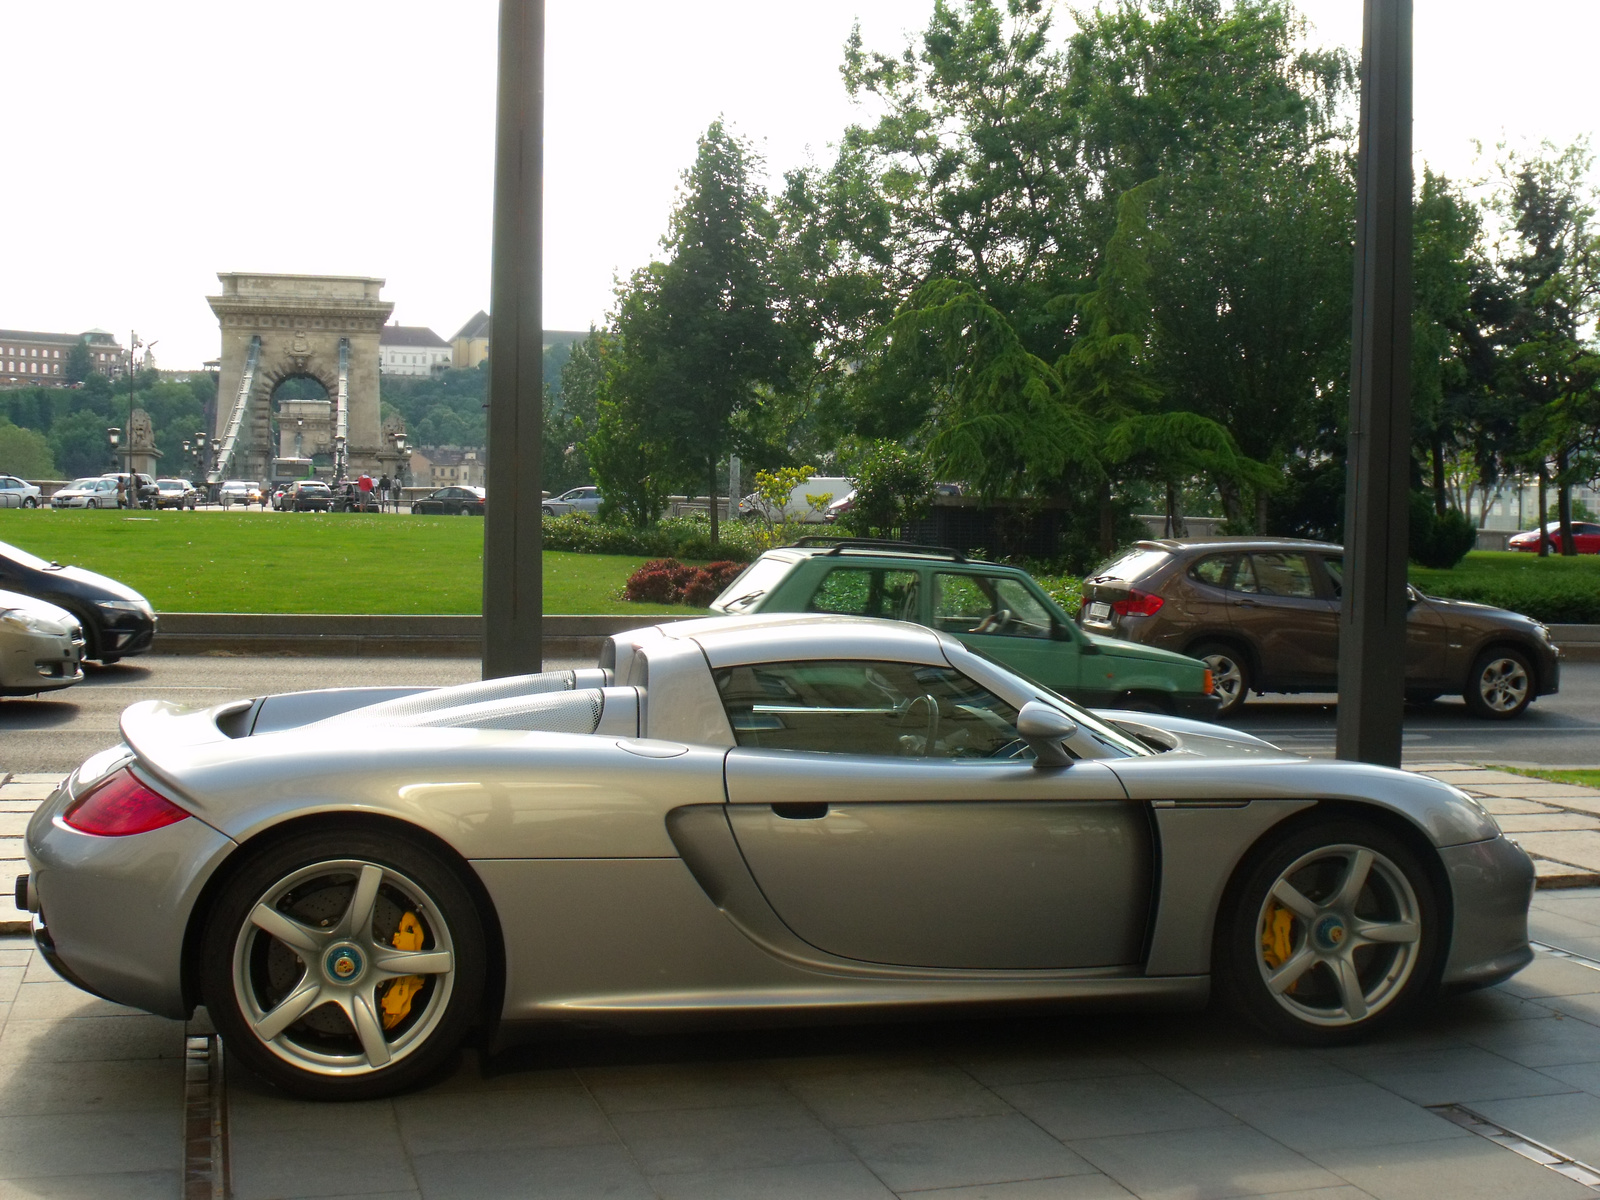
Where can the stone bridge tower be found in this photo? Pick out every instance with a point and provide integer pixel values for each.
(278, 327)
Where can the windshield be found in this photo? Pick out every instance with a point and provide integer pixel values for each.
(22, 558)
(759, 578)
(1135, 564)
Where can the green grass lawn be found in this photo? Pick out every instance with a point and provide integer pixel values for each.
(1555, 590)
(307, 562)
(1581, 778)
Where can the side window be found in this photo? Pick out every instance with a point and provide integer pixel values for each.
(1213, 570)
(1244, 576)
(867, 592)
(1284, 575)
(992, 604)
(888, 709)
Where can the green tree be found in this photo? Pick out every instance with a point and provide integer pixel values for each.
(25, 452)
(80, 363)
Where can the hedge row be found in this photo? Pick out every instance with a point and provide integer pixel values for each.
(675, 537)
(1565, 600)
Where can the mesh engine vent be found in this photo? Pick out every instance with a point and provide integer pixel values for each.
(397, 712)
(558, 712)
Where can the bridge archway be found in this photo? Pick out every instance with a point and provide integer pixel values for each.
(277, 328)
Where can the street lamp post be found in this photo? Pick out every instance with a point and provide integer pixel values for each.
(114, 436)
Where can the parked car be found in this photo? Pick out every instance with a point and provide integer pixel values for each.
(239, 491)
(840, 506)
(41, 646)
(1585, 538)
(579, 499)
(138, 489)
(86, 493)
(117, 621)
(348, 497)
(1264, 615)
(306, 495)
(176, 493)
(774, 818)
(452, 501)
(795, 506)
(18, 493)
(996, 610)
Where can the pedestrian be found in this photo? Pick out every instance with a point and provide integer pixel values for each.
(121, 500)
(397, 491)
(383, 491)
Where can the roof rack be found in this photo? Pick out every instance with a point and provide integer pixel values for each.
(838, 545)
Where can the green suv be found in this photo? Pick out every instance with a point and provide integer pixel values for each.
(998, 611)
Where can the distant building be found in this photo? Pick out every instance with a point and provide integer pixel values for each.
(447, 465)
(412, 350)
(41, 358)
(471, 343)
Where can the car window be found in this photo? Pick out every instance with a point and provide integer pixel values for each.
(1213, 570)
(1286, 575)
(867, 592)
(996, 604)
(759, 578)
(890, 709)
(1135, 564)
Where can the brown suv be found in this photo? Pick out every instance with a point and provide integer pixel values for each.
(1264, 616)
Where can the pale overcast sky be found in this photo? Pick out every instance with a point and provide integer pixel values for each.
(156, 144)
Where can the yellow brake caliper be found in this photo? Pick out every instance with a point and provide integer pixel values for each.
(397, 998)
(1277, 943)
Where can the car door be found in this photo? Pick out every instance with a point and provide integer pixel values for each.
(1277, 602)
(11, 492)
(889, 815)
(1427, 634)
(999, 616)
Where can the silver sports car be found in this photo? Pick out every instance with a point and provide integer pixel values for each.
(782, 817)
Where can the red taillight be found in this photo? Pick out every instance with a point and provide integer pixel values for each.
(1138, 604)
(121, 806)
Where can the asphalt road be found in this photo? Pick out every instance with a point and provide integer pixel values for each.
(58, 732)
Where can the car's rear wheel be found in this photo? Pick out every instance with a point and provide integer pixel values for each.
(1500, 686)
(1332, 931)
(344, 964)
(1230, 674)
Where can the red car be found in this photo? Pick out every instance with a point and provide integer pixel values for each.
(1585, 538)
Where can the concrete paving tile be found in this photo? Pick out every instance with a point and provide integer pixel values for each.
(963, 1151)
(63, 1087)
(1570, 1124)
(1021, 1066)
(894, 1095)
(1357, 1114)
(39, 970)
(10, 981)
(1470, 1169)
(1589, 803)
(727, 1139)
(1106, 1107)
(681, 1085)
(299, 1149)
(34, 1144)
(1530, 789)
(1548, 976)
(554, 1173)
(53, 778)
(88, 1039)
(1488, 1006)
(14, 824)
(1256, 1068)
(121, 1185)
(29, 789)
(1554, 823)
(1458, 1076)
(1580, 849)
(1582, 1008)
(1582, 903)
(15, 957)
(469, 1075)
(816, 1181)
(1203, 1164)
(1553, 929)
(1584, 1076)
(1548, 1042)
(1073, 1187)
(1501, 806)
(60, 1000)
(430, 1124)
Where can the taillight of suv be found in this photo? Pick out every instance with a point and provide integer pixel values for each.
(1137, 604)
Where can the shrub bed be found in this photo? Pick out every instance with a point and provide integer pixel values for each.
(674, 537)
(668, 581)
(1557, 591)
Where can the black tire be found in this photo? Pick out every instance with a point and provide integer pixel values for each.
(29, 502)
(1500, 685)
(1143, 702)
(319, 1054)
(1394, 977)
(1231, 674)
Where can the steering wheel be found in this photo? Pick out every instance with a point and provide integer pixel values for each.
(931, 734)
(994, 622)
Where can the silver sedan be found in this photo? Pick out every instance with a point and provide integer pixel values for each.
(789, 817)
(41, 646)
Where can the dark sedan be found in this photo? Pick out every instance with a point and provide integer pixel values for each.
(1263, 614)
(307, 495)
(451, 502)
(117, 621)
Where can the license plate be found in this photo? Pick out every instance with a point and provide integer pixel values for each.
(1099, 611)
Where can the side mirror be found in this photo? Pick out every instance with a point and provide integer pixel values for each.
(1044, 729)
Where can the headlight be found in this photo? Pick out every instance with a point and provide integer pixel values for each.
(26, 622)
(139, 606)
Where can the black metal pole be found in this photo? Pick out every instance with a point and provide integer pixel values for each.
(1372, 623)
(513, 592)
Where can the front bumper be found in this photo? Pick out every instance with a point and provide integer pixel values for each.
(1491, 884)
(126, 633)
(42, 662)
(115, 911)
(1196, 706)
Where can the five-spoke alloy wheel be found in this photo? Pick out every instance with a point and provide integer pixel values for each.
(1501, 684)
(1230, 675)
(1331, 932)
(344, 965)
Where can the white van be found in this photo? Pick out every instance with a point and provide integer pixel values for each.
(827, 489)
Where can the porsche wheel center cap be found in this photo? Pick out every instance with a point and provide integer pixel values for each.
(1330, 933)
(344, 964)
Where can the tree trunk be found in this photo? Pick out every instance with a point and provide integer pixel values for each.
(1261, 511)
(1232, 502)
(1544, 532)
(1176, 527)
(712, 507)
(1438, 475)
(1108, 522)
(1569, 548)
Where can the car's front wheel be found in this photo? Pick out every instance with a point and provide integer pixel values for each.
(30, 502)
(344, 964)
(1500, 686)
(1230, 674)
(1331, 931)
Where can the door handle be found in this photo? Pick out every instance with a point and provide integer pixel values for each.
(801, 812)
